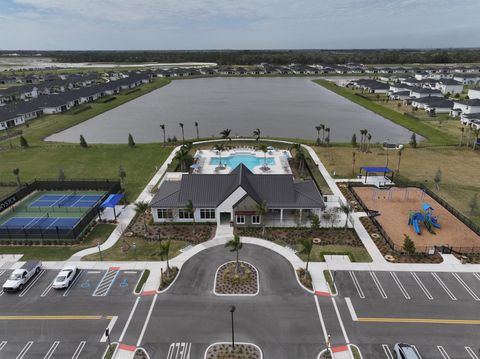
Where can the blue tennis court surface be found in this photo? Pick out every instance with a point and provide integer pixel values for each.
(40, 222)
(51, 200)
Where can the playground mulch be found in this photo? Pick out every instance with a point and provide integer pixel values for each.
(394, 213)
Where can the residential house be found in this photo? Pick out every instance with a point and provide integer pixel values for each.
(449, 86)
(474, 93)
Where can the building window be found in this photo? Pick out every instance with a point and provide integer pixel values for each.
(184, 214)
(240, 219)
(255, 219)
(207, 213)
(163, 213)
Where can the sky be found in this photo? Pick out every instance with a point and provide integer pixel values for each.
(237, 24)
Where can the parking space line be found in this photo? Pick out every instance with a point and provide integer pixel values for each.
(2, 345)
(444, 286)
(79, 349)
(24, 350)
(476, 275)
(387, 351)
(120, 339)
(378, 285)
(103, 339)
(357, 285)
(106, 282)
(51, 350)
(416, 351)
(2, 271)
(140, 338)
(400, 285)
(467, 288)
(443, 352)
(421, 285)
(1, 292)
(94, 272)
(75, 280)
(30, 285)
(45, 292)
(129, 272)
(471, 352)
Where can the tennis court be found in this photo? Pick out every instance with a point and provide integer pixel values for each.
(66, 200)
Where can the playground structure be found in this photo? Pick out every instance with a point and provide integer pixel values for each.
(426, 216)
(392, 191)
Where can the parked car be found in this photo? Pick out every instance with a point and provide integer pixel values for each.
(22, 275)
(65, 277)
(405, 351)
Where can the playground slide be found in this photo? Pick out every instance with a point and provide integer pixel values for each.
(435, 223)
(416, 226)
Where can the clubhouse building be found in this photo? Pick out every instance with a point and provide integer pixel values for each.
(233, 198)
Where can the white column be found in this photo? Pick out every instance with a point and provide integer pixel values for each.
(300, 216)
(281, 216)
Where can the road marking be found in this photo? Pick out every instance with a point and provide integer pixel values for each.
(45, 292)
(421, 285)
(30, 285)
(2, 345)
(476, 275)
(443, 352)
(416, 350)
(387, 351)
(471, 352)
(94, 272)
(24, 350)
(322, 323)
(420, 320)
(130, 272)
(400, 285)
(2, 271)
(379, 285)
(467, 288)
(1, 292)
(120, 339)
(55, 317)
(444, 286)
(51, 350)
(357, 285)
(106, 283)
(182, 350)
(75, 280)
(340, 321)
(78, 350)
(140, 338)
(351, 309)
(103, 339)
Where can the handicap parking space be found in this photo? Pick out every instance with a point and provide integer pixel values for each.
(85, 283)
(51, 349)
(124, 283)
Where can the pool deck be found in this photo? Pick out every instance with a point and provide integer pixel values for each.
(280, 158)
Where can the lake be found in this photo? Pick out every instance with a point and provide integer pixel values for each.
(281, 107)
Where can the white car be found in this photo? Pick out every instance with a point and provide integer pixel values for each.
(65, 277)
(404, 351)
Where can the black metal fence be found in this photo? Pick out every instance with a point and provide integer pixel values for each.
(39, 232)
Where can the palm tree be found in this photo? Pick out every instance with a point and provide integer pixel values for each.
(257, 134)
(369, 138)
(362, 138)
(264, 148)
(226, 134)
(16, 173)
(262, 209)
(183, 132)
(163, 129)
(327, 139)
(141, 208)
(191, 210)
(300, 158)
(165, 251)
(307, 246)
(322, 127)
(353, 163)
(318, 128)
(346, 209)
(235, 245)
(196, 127)
(182, 157)
(219, 147)
(399, 159)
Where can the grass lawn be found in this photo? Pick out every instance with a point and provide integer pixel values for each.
(60, 253)
(357, 254)
(431, 133)
(4, 191)
(460, 169)
(146, 251)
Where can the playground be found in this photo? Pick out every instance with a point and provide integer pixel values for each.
(413, 212)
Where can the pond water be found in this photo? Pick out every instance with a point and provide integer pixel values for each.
(280, 107)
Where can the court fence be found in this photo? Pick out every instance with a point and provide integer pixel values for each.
(16, 233)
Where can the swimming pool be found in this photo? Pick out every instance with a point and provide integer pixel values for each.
(250, 161)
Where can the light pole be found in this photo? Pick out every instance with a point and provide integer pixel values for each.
(134, 246)
(232, 310)
(99, 251)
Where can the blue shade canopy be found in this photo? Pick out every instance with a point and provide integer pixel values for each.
(112, 201)
(376, 169)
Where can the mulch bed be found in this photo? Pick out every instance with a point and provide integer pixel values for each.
(168, 276)
(228, 281)
(306, 280)
(140, 354)
(343, 186)
(225, 351)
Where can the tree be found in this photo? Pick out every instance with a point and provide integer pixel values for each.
(196, 128)
(23, 142)
(183, 157)
(353, 163)
(131, 142)
(16, 173)
(121, 173)
(83, 142)
(301, 159)
(226, 134)
(264, 148)
(353, 142)
(408, 245)
(307, 246)
(462, 132)
(163, 129)
(220, 147)
(183, 131)
(413, 140)
(327, 139)
(346, 209)
(257, 134)
(369, 138)
(315, 221)
(322, 127)
(473, 204)
(61, 175)
(141, 209)
(262, 209)
(331, 215)
(438, 178)
(235, 245)
(399, 159)
(318, 128)
(191, 210)
(165, 251)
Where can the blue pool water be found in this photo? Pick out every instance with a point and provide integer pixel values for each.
(248, 160)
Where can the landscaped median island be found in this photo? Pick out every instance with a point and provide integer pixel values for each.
(234, 278)
(226, 351)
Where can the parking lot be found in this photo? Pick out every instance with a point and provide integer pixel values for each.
(42, 322)
(435, 311)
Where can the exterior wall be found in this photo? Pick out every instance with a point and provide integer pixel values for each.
(175, 218)
(248, 206)
(227, 204)
(474, 94)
